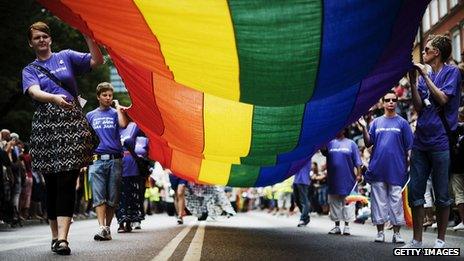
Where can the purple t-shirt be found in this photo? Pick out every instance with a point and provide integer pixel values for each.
(430, 133)
(129, 132)
(343, 156)
(392, 138)
(302, 177)
(65, 65)
(128, 163)
(105, 123)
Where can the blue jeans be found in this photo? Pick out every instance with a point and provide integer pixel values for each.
(424, 164)
(302, 192)
(105, 179)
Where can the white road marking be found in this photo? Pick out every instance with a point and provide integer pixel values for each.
(194, 250)
(169, 249)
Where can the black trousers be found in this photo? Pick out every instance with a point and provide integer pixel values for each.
(61, 193)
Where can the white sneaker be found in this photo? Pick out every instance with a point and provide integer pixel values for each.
(434, 225)
(346, 231)
(459, 226)
(397, 239)
(101, 235)
(136, 225)
(335, 231)
(413, 244)
(439, 243)
(108, 233)
(380, 237)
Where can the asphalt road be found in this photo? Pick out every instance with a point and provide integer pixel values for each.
(248, 236)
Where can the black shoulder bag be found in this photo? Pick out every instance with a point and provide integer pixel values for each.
(142, 163)
(53, 78)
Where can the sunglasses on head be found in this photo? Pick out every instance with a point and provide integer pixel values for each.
(390, 100)
(427, 49)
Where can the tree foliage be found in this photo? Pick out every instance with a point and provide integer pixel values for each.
(16, 16)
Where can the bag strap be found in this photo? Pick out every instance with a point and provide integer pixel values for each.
(53, 78)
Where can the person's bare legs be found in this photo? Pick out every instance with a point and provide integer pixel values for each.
(101, 214)
(181, 200)
(53, 228)
(380, 227)
(109, 215)
(417, 221)
(63, 227)
(442, 221)
(461, 212)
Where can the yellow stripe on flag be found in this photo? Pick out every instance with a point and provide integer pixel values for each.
(214, 172)
(227, 129)
(198, 43)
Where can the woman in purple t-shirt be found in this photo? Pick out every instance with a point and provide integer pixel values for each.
(57, 124)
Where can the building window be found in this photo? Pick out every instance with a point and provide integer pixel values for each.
(116, 81)
(453, 3)
(456, 43)
(443, 7)
(426, 20)
(434, 11)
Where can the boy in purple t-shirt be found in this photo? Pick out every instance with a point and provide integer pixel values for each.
(391, 138)
(436, 100)
(105, 172)
(343, 171)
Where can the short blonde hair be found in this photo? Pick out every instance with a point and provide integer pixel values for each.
(103, 87)
(39, 26)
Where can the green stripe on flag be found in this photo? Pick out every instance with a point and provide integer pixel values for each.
(243, 176)
(274, 130)
(278, 44)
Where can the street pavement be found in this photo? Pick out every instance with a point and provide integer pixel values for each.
(248, 236)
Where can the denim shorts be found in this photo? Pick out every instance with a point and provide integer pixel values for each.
(424, 164)
(105, 179)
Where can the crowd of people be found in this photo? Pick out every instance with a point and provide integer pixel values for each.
(407, 140)
(412, 138)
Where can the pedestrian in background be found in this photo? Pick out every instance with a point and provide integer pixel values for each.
(105, 171)
(391, 139)
(343, 172)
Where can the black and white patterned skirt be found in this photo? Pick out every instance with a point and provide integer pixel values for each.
(58, 138)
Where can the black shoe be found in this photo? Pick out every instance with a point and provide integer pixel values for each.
(203, 216)
(62, 250)
(180, 221)
(128, 227)
(53, 245)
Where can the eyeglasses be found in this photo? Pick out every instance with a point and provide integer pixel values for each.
(390, 100)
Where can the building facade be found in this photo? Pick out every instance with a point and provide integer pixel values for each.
(443, 17)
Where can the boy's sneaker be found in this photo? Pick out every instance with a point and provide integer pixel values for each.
(413, 244)
(380, 237)
(459, 226)
(108, 233)
(101, 235)
(137, 225)
(397, 239)
(335, 231)
(439, 243)
(346, 231)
